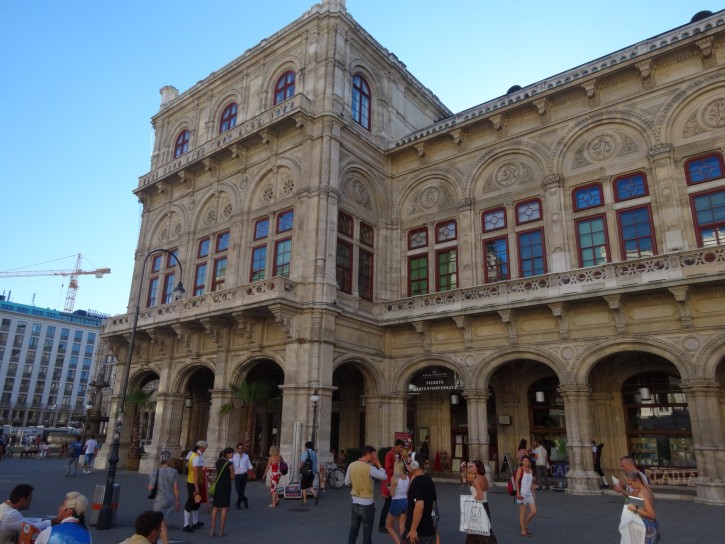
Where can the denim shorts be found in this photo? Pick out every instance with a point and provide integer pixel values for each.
(398, 506)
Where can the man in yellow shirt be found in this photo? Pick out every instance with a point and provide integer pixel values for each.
(194, 481)
(360, 475)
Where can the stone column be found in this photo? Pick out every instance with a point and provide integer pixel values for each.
(707, 435)
(581, 478)
(167, 430)
(478, 439)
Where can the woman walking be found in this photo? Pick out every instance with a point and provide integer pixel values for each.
(479, 491)
(525, 494)
(395, 521)
(223, 490)
(272, 467)
(163, 479)
(647, 511)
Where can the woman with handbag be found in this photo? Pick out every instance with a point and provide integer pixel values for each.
(273, 467)
(479, 491)
(163, 487)
(525, 494)
(221, 489)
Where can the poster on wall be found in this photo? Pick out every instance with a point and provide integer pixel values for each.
(407, 438)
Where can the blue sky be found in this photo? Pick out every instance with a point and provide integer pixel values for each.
(81, 80)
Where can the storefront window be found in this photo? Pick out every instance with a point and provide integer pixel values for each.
(658, 427)
(548, 420)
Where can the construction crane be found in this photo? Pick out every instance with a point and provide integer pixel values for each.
(70, 299)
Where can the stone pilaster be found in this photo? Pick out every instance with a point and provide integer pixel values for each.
(581, 478)
(478, 439)
(708, 439)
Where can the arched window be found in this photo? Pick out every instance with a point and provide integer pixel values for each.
(361, 101)
(285, 87)
(229, 117)
(182, 143)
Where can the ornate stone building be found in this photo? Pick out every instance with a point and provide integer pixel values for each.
(548, 264)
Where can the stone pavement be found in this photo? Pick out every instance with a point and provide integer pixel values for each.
(562, 518)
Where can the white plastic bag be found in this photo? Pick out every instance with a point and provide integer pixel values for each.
(474, 519)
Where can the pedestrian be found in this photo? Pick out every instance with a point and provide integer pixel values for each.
(525, 494)
(194, 483)
(74, 452)
(150, 527)
(479, 491)
(425, 447)
(399, 483)
(393, 455)
(542, 464)
(360, 476)
(222, 490)
(521, 451)
(641, 490)
(627, 464)
(90, 450)
(597, 460)
(242, 465)
(419, 525)
(11, 520)
(164, 480)
(308, 469)
(273, 467)
(71, 528)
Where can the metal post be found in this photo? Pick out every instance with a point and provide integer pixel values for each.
(106, 512)
(315, 398)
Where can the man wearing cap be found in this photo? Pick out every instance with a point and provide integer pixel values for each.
(11, 520)
(72, 527)
(194, 481)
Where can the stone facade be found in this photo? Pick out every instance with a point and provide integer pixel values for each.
(351, 233)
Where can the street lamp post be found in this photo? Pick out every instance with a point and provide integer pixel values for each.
(315, 398)
(106, 512)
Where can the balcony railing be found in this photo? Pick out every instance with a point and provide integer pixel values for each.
(611, 276)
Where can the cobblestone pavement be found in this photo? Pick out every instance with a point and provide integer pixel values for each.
(562, 518)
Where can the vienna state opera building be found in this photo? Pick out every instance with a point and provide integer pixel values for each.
(360, 261)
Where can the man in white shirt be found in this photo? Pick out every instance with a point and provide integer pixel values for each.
(11, 520)
(542, 462)
(242, 464)
(90, 450)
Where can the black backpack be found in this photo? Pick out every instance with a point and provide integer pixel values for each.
(307, 465)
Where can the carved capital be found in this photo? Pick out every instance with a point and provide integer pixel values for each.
(615, 304)
(552, 181)
(645, 68)
(541, 105)
(421, 149)
(662, 151)
(458, 135)
(559, 310)
(464, 323)
(509, 318)
(705, 46)
(682, 294)
(284, 315)
(209, 164)
(217, 329)
(423, 328)
(497, 121)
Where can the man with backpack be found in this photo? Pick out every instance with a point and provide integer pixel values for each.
(74, 452)
(308, 469)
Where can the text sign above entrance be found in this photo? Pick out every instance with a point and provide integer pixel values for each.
(434, 379)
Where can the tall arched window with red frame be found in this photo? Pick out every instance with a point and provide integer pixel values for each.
(229, 117)
(182, 143)
(285, 87)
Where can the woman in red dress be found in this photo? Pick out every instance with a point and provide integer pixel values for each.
(273, 467)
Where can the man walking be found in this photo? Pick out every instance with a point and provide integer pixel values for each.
(308, 469)
(542, 462)
(419, 525)
(242, 464)
(360, 476)
(74, 453)
(90, 450)
(390, 458)
(194, 481)
(627, 464)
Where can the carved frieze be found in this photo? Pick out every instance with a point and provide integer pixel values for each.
(603, 147)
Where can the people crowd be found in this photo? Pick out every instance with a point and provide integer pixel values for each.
(409, 498)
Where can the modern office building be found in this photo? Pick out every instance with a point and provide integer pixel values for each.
(47, 363)
(549, 264)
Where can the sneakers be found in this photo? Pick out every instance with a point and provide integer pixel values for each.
(188, 529)
(197, 525)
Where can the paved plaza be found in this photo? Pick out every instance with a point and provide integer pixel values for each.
(562, 518)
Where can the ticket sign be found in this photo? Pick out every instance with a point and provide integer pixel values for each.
(434, 379)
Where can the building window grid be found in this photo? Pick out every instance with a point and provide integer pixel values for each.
(494, 220)
(532, 253)
(496, 259)
(592, 241)
(285, 87)
(365, 274)
(708, 210)
(636, 233)
(282, 257)
(589, 196)
(529, 211)
(703, 169)
(229, 118)
(361, 100)
(630, 186)
(181, 145)
(343, 266)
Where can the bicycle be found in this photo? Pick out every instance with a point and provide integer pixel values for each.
(335, 476)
